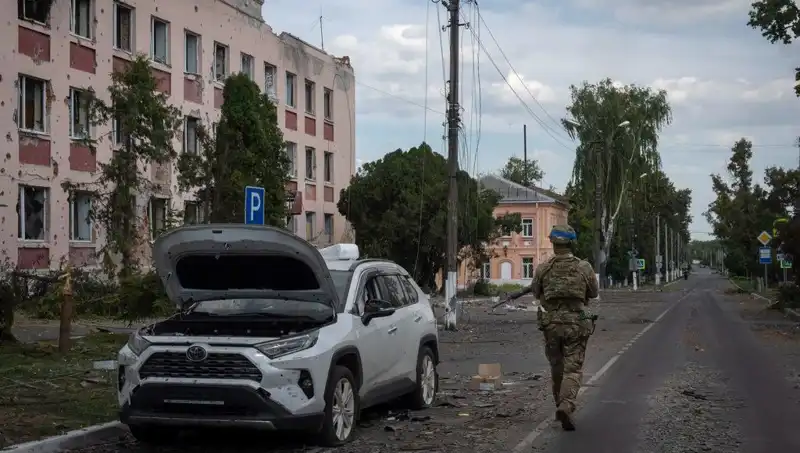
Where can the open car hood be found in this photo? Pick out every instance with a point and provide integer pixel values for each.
(228, 261)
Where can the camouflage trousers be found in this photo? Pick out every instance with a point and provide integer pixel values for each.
(565, 348)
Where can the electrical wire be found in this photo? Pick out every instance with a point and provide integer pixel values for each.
(513, 70)
(547, 129)
(425, 140)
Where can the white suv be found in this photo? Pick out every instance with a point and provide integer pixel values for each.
(275, 334)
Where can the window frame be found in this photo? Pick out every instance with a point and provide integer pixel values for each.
(311, 164)
(151, 210)
(154, 21)
(291, 153)
(23, 80)
(187, 34)
(73, 25)
(131, 27)
(327, 167)
(528, 222)
(226, 63)
(327, 104)
(21, 213)
(251, 66)
(188, 119)
(311, 220)
(310, 96)
(270, 79)
(291, 90)
(527, 268)
(329, 234)
(73, 211)
(75, 95)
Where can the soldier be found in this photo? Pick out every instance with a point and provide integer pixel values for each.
(563, 285)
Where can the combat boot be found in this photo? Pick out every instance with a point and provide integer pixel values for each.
(564, 415)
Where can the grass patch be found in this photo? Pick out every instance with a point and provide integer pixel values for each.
(44, 393)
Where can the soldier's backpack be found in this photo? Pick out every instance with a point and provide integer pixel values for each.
(562, 279)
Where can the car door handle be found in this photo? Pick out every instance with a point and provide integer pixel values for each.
(392, 330)
(418, 318)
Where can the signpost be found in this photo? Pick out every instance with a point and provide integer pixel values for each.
(254, 205)
(765, 254)
(785, 264)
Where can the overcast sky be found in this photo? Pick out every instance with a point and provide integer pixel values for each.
(724, 80)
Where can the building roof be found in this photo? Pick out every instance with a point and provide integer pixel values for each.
(514, 193)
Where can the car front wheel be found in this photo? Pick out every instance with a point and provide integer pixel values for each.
(341, 408)
(424, 395)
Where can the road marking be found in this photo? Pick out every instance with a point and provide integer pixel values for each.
(527, 442)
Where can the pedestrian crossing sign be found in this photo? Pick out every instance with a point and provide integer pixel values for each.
(640, 264)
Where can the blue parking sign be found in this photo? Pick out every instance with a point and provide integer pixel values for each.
(254, 205)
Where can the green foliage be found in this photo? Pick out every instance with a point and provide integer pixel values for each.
(788, 296)
(484, 288)
(521, 172)
(137, 296)
(742, 209)
(778, 21)
(248, 150)
(398, 208)
(147, 125)
(618, 129)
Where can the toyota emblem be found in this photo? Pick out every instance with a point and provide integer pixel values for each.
(196, 353)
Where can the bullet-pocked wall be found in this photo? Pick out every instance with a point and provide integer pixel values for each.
(54, 55)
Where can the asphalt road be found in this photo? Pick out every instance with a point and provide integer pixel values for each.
(699, 381)
(680, 371)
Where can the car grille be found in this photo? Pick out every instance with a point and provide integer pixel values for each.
(215, 366)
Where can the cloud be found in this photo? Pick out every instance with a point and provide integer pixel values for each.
(723, 79)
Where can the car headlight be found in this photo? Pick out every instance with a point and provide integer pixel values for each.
(137, 343)
(279, 348)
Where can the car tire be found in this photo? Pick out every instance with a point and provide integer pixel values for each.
(341, 404)
(154, 435)
(424, 395)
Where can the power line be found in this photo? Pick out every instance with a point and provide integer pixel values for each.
(516, 73)
(400, 98)
(536, 118)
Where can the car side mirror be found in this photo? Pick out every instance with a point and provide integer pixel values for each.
(376, 308)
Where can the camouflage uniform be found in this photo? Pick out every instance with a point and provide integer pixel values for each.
(563, 285)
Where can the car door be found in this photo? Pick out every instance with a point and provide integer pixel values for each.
(376, 340)
(419, 323)
(405, 335)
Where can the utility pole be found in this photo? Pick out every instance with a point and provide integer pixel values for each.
(666, 254)
(525, 155)
(453, 124)
(659, 258)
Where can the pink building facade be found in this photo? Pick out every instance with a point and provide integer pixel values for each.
(54, 57)
(514, 258)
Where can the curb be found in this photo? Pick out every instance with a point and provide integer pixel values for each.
(793, 314)
(70, 440)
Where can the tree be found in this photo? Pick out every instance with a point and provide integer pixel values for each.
(145, 126)
(248, 150)
(398, 208)
(742, 209)
(521, 171)
(778, 21)
(618, 129)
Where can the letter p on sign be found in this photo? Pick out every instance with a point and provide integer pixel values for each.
(254, 205)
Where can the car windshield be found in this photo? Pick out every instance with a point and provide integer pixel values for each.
(247, 306)
(341, 280)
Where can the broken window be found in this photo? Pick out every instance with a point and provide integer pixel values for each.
(270, 88)
(123, 27)
(327, 101)
(78, 114)
(329, 228)
(193, 213)
(32, 213)
(248, 64)
(190, 127)
(34, 10)
(327, 166)
(80, 218)
(158, 216)
(311, 163)
(32, 104)
(220, 62)
(291, 85)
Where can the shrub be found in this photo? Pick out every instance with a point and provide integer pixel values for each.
(788, 296)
